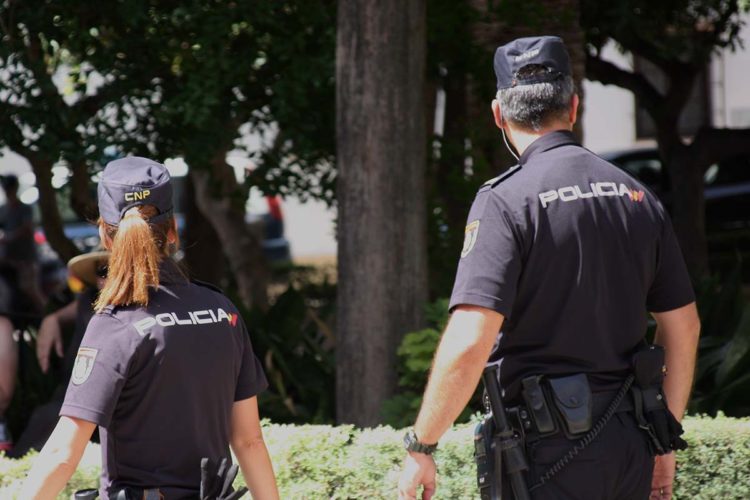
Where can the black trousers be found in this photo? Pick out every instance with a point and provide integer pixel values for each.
(617, 465)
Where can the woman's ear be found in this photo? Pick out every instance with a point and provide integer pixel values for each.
(103, 238)
(172, 233)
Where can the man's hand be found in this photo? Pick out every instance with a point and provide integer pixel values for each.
(664, 471)
(419, 469)
(49, 337)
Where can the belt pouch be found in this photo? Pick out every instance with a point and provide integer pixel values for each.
(572, 397)
(536, 403)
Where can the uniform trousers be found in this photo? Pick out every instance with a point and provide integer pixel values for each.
(617, 465)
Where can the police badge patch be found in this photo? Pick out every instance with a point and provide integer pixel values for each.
(470, 237)
(83, 365)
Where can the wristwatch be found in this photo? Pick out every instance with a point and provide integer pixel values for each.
(411, 443)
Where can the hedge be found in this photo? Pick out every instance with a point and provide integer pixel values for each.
(325, 462)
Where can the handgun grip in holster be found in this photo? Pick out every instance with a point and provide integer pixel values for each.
(506, 443)
(87, 494)
(488, 460)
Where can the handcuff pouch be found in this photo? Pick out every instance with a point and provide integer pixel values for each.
(572, 398)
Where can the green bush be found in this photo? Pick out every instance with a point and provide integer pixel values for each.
(722, 375)
(415, 360)
(325, 462)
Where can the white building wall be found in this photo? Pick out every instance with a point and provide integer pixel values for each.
(730, 77)
(609, 113)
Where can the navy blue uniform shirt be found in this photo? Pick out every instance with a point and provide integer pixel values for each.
(573, 252)
(160, 382)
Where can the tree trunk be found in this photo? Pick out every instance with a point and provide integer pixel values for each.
(689, 209)
(51, 220)
(381, 156)
(685, 169)
(219, 199)
(200, 241)
(83, 203)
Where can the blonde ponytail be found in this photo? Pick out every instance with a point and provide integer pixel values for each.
(136, 250)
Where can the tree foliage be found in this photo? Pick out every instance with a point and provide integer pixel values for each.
(175, 79)
(678, 37)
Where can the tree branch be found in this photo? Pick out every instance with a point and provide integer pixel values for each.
(609, 74)
(713, 145)
(648, 50)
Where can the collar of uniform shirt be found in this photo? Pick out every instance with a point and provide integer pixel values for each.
(548, 141)
(171, 274)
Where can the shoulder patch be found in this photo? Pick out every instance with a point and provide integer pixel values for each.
(206, 284)
(84, 363)
(500, 178)
(470, 237)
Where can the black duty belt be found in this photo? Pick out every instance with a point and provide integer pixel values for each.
(522, 421)
(126, 493)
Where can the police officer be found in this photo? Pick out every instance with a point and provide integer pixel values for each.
(165, 368)
(563, 255)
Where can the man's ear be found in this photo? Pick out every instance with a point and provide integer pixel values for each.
(497, 113)
(574, 102)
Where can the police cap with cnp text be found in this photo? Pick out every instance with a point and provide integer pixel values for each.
(547, 51)
(132, 181)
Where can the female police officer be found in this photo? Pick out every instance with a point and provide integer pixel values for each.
(165, 368)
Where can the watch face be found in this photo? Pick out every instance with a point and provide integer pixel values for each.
(411, 443)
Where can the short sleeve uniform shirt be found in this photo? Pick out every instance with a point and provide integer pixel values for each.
(160, 382)
(573, 252)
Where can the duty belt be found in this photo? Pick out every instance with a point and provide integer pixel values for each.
(522, 420)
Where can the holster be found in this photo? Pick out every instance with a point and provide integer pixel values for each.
(489, 478)
(650, 404)
(128, 493)
(87, 494)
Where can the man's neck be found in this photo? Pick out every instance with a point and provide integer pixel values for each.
(522, 139)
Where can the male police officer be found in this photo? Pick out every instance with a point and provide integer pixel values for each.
(563, 255)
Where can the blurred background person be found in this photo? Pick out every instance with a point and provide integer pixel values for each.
(8, 366)
(88, 274)
(17, 242)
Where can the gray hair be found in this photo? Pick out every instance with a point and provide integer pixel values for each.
(532, 106)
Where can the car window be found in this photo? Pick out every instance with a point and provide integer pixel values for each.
(733, 171)
(646, 170)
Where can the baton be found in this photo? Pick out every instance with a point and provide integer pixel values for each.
(513, 455)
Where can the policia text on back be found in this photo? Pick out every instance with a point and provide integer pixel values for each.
(553, 405)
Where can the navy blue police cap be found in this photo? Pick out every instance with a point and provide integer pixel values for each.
(132, 181)
(547, 51)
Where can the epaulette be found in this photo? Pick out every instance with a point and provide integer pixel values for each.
(109, 309)
(207, 285)
(500, 178)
